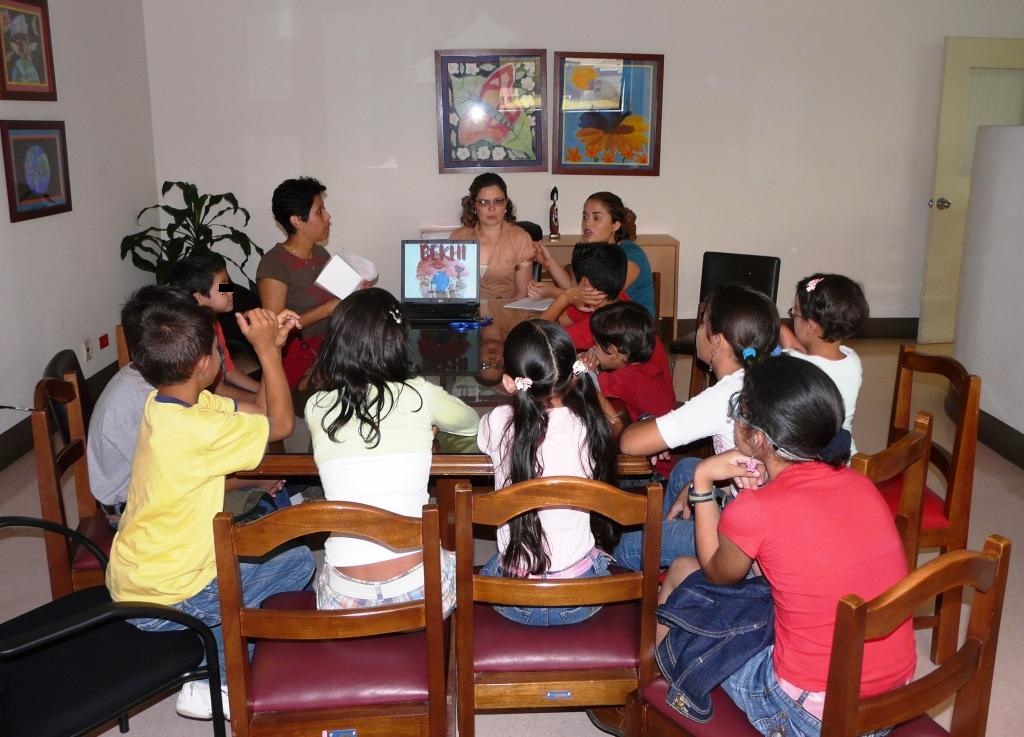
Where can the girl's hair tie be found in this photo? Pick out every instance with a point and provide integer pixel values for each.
(838, 447)
(523, 383)
(579, 368)
(814, 283)
(749, 352)
(395, 314)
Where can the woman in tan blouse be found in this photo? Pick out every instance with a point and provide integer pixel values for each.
(506, 251)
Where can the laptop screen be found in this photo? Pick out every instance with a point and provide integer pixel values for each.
(440, 271)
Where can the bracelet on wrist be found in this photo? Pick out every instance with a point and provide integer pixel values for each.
(699, 497)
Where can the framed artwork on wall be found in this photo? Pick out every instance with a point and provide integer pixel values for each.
(36, 168)
(27, 53)
(608, 113)
(491, 109)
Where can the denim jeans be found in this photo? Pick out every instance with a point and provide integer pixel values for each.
(676, 535)
(547, 616)
(290, 570)
(756, 691)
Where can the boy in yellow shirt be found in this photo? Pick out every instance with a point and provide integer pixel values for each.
(188, 441)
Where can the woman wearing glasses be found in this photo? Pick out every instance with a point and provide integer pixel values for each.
(506, 251)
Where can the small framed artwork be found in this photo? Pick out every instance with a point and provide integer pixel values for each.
(608, 116)
(36, 168)
(27, 51)
(491, 110)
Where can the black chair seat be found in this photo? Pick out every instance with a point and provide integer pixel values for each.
(37, 683)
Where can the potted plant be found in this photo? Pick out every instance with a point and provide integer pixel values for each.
(194, 227)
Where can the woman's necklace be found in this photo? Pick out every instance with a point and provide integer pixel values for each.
(290, 249)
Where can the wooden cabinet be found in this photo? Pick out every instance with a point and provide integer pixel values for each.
(663, 253)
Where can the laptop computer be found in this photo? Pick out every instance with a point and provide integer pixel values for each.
(440, 280)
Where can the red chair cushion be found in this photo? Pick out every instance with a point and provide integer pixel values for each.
(933, 515)
(609, 639)
(97, 529)
(729, 721)
(326, 674)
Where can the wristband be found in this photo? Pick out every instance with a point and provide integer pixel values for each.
(699, 497)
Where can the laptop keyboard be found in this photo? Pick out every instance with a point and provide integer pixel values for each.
(440, 311)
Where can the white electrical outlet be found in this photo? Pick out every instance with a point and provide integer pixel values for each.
(87, 349)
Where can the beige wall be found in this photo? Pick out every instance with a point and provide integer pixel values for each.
(803, 128)
(61, 278)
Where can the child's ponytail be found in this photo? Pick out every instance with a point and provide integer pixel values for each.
(747, 319)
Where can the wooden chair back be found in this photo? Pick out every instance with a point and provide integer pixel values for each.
(908, 458)
(955, 465)
(533, 689)
(123, 356)
(242, 624)
(966, 675)
(52, 468)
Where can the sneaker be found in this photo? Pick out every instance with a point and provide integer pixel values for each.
(609, 719)
(194, 701)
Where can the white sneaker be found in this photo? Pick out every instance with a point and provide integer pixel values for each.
(194, 701)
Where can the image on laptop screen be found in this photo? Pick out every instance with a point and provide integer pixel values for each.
(440, 271)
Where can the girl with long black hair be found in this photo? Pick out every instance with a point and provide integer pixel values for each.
(554, 425)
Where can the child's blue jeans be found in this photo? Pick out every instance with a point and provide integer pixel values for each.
(547, 616)
(676, 535)
(287, 571)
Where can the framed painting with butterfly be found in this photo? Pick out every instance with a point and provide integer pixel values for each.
(608, 115)
(491, 109)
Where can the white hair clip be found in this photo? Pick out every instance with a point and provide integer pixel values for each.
(523, 383)
(579, 368)
(814, 283)
(395, 314)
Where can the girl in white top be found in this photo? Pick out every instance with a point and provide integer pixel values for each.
(738, 330)
(828, 309)
(554, 425)
(371, 420)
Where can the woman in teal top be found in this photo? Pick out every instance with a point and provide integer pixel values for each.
(606, 220)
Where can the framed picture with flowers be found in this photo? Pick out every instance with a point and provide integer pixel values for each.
(27, 51)
(35, 156)
(490, 109)
(608, 116)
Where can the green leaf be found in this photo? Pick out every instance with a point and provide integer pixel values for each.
(141, 263)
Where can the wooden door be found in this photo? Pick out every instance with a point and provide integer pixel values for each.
(982, 84)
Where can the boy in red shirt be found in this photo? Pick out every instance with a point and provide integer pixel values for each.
(600, 272)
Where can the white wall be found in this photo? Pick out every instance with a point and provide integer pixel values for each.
(988, 312)
(62, 278)
(802, 128)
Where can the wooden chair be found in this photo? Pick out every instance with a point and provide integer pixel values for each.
(123, 356)
(503, 665)
(71, 566)
(907, 460)
(944, 521)
(966, 675)
(377, 671)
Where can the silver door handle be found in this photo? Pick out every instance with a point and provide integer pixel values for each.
(940, 204)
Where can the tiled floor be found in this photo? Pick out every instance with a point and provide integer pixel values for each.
(998, 507)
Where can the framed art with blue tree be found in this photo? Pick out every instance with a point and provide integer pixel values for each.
(35, 167)
(490, 109)
(608, 116)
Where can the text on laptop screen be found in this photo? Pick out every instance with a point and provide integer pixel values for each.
(445, 271)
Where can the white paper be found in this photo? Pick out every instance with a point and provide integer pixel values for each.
(535, 305)
(339, 278)
(366, 268)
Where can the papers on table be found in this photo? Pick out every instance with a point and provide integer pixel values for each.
(342, 274)
(534, 305)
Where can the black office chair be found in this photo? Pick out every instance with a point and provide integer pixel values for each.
(75, 664)
(757, 272)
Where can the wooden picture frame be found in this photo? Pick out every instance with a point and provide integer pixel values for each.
(491, 110)
(35, 167)
(608, 113)
(26, 51)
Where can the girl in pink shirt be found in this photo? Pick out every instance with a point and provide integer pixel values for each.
(554, 425)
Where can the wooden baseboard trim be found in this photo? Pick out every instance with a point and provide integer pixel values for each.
(16, 441)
